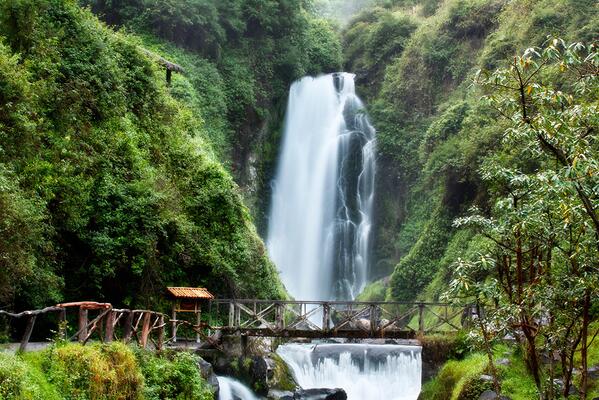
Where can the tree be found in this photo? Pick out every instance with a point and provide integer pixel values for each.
(545, 222)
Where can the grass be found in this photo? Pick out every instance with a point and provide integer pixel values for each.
(460, 379)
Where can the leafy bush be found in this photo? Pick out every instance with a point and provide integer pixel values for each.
(171, 377)
(22, 379)
(93, 372)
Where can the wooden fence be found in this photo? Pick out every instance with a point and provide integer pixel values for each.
(273, 318)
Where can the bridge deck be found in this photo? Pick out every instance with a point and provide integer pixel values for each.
(272, 318)
(327, 319)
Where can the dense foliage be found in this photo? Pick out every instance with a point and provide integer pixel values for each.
(495, 169)
(434, 133)
(108, 185)
(101, 372)
(239, 58)
(542, 272)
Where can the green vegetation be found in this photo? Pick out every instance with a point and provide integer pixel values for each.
(461, 379)
(239, 58)
(434, 133)
(96, 372)
(496, 169)
(111, 182)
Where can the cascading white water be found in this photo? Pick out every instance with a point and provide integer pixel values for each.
(231, 389)
(319, 235)
(320, 219)
(364, 371)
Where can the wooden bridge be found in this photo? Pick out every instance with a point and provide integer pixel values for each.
(269, 318)
(343, 319)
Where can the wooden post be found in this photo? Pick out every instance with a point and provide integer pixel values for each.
(109, 323)
(174, 323)
(27, 334)
(128, 329)
(199, 323)
(160, 332)
(237, 315)
(231, 314)
(145, 330)
(421, 319)
(279, 317)
(373, 320)
(62, 321)
(326, 317)
(82, 324)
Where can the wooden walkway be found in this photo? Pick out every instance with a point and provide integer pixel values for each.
(268, 318)
(343, 319)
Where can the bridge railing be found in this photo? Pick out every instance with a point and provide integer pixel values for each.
(310, 319)
(336, 318)
(100, 321)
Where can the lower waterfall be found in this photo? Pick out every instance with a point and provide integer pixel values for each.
(231, 389)
(364, 371)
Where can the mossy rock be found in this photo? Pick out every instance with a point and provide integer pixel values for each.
(474, 387)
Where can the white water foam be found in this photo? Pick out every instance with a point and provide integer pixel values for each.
(364, 371)
(231, 389)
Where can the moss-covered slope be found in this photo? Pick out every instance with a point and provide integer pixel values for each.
(109, 187)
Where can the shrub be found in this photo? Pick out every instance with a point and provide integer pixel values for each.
(94, 372)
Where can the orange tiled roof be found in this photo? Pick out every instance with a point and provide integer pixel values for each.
(189, 293)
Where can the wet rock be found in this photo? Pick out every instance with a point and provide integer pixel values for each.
(308, 394)
(486, 378)
(208, 374)
(320, 394)
(503, 361)
(280, 395)
(491, 395)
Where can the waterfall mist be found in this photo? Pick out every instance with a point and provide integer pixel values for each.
(321, 212)
(364, 371)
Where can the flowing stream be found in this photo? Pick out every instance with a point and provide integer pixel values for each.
(319, 235)
(364, 371)
(231, 389)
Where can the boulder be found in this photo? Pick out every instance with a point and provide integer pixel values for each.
(308, 394)
(208, 374)
(503, 361)
(280, 395)
(491, 395)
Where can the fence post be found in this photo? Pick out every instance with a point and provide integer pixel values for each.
(231, 315)
(128, 329)
(145, 330)
(82, 324)
(421, 319)
(174, 323)
(109, 323)
(160, 332)
(279, 317)
(373, 320)
(27, 334)
(326, 317)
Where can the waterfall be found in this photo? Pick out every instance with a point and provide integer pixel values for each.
(364, 371)
(319, 235)
(231, 389)
(321, 210)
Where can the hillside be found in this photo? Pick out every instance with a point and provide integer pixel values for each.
(434, 133)
(115, 184)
